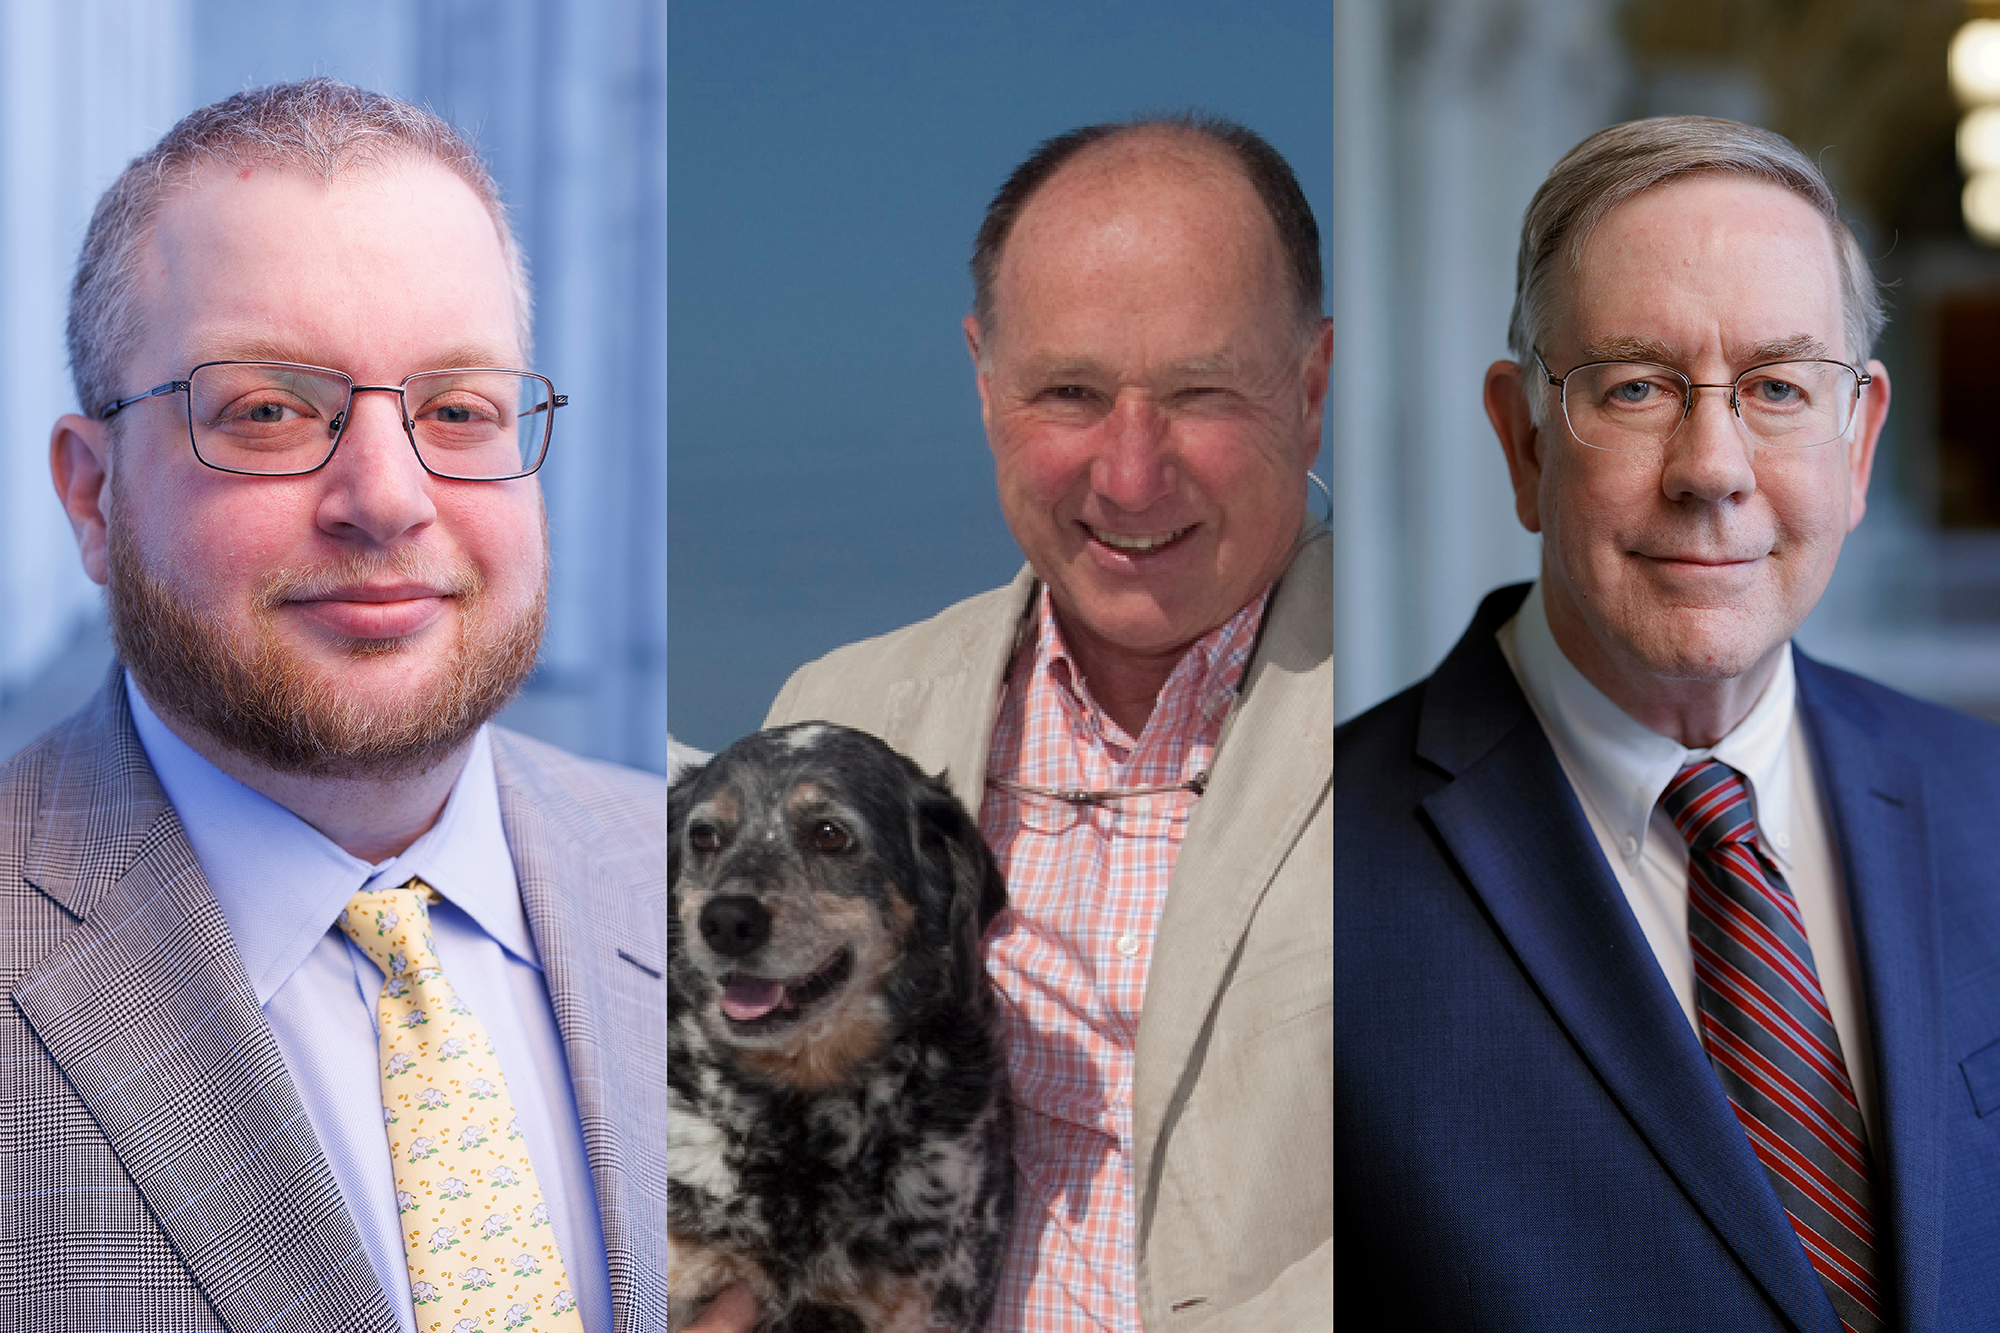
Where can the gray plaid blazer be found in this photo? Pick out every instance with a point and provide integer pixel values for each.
(157, 1168)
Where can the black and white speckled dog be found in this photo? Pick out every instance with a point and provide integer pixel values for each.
(837, 1116)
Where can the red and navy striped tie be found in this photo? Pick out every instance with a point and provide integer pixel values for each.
(1765, 1024)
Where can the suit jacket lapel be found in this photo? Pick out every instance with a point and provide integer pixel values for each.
(1272, 770)
(1511, 821)
(146, 1009)
(603, 950)
(1875, 797)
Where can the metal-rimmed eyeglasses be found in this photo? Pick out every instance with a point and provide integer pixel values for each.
(1633, 406)
(281, 419)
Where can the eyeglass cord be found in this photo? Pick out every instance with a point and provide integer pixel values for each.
(1197, 784)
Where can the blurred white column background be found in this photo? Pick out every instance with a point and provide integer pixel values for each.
(83, 87)
(1448, 114)
(567, 99)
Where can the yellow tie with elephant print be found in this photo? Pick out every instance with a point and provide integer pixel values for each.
(482, 1255)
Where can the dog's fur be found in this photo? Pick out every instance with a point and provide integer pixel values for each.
(845, 1149)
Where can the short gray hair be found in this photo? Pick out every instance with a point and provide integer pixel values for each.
(316, 126)
(1613, 165)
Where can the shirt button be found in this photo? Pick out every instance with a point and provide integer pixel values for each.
(1783, 840)
(1631, 845)
(1128, 945)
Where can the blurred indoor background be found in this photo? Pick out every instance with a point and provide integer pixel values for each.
(829, 165)
(1448, 113)
(566, 98)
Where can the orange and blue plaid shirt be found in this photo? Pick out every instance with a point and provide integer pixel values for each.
(1086, 886)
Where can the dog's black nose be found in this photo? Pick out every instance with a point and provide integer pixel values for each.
(735, 925)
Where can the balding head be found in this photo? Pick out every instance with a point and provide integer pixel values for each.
(1199, 144)
(1135, 216)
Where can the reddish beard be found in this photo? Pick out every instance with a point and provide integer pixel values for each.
(290, 715)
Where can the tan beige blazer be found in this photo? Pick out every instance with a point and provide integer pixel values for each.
(1233, 1095)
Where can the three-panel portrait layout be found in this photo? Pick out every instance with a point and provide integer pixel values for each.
(1047, 669)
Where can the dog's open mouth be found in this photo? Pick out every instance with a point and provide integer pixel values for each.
(765, 1002)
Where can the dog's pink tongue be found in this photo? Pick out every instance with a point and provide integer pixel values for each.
(745, 998)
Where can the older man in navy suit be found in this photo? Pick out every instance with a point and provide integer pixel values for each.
(1668, 960)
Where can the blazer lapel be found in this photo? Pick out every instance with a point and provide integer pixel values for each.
(1273, 769)
(603, 950)
(928, 715)
(1511, 821)
(146, 1009)
(1875, 797)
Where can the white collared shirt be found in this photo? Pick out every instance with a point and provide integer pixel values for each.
(281, 883)
(1619, 768)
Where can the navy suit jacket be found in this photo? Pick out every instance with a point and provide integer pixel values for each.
(1528, 1134)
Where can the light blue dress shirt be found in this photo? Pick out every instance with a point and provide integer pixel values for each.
(281, 883)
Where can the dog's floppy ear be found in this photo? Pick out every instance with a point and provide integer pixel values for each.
(680, 797)
(978, 892)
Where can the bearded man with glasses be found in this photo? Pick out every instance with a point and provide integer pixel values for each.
(1665, 954)
(332, 1006)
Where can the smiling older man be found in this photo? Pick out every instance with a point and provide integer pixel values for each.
(1152, 364)
(331, 1006)
(1666, 955)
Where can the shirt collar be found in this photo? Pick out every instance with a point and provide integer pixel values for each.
(281, 882)
(1210, 671)
(1621, 766)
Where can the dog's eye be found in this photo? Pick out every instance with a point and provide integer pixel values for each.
(829, 837)
(704, 838)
